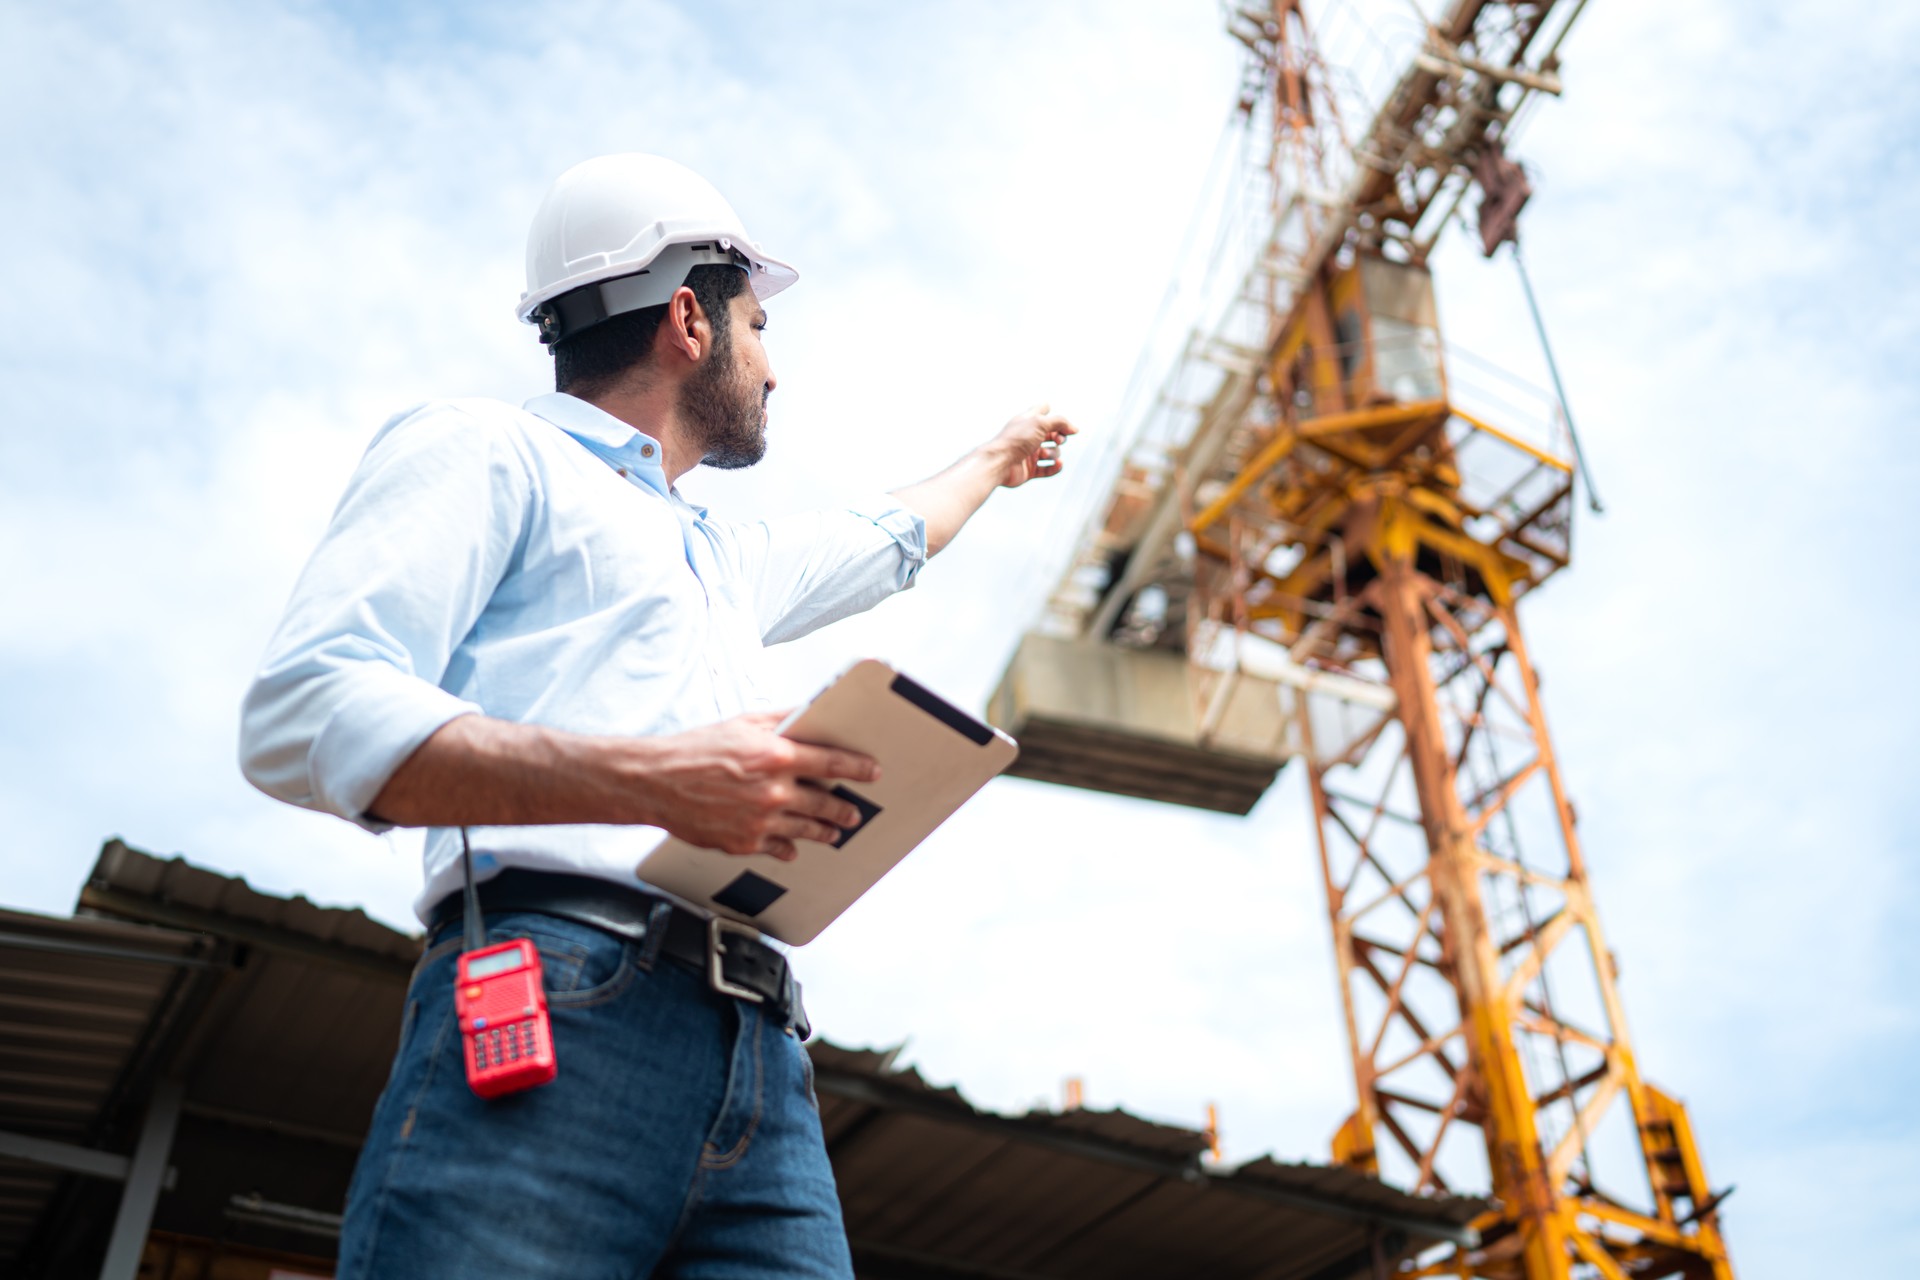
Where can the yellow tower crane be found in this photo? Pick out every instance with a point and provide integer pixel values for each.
(1314, 548)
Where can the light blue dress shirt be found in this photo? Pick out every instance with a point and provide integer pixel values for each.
(534, 565)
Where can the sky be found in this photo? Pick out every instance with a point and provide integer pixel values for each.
(240, 236)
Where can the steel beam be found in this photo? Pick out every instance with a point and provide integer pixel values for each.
(144, 1180)
(104, 950)
(284, 1217)
(65, 1156)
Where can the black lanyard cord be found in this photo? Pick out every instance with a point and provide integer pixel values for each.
(476, 926)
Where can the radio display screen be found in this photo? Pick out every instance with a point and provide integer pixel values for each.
(488, 966)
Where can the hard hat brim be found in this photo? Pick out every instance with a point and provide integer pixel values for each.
(766, 275)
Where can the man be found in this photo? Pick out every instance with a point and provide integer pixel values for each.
(516, 632)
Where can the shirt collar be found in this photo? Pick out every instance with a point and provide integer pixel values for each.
(633, 453)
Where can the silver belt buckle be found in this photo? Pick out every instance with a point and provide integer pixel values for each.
(716, 948)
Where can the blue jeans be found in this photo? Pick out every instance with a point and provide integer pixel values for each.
(680, 1139)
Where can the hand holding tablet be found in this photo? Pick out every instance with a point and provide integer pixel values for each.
(933, 757)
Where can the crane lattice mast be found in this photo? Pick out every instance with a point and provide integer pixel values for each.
(1315, 548)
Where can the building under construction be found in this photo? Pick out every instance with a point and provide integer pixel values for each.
(1314, 546)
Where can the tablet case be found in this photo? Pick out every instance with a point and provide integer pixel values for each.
(932, 755)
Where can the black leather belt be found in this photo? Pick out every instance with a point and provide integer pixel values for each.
(732, 956)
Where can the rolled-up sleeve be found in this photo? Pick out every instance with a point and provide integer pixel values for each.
(350, 684)
(821, 566)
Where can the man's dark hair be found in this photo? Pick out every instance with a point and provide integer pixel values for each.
(594, 360)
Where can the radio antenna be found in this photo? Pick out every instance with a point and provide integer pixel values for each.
(476, 926)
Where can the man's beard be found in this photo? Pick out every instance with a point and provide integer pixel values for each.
(728, 414)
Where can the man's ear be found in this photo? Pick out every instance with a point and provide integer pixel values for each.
(686, 328)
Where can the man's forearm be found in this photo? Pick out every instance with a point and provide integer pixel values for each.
(736, 786)
(946, 501)
(478, 771)
(1027, 447)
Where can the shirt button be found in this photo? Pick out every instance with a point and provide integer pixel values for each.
(646, 451)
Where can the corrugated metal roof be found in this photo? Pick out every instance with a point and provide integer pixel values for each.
(282, 1037)
(281, 1017)
(932, 1185)
(127, 882)
(77, 1003)
(303, 1031)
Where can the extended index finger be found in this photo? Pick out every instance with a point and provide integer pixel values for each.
(833, 762)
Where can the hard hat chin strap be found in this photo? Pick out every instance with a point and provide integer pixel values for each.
(562, 317)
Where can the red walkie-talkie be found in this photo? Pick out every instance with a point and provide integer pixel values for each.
(501, 1001)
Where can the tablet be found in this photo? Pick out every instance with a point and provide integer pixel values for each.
(933, 757)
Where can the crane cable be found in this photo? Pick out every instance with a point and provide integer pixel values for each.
(1560, 391)
(1129, 421)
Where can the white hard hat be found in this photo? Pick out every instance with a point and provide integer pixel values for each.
(621, 232)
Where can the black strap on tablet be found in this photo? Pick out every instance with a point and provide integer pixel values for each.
(942, 710)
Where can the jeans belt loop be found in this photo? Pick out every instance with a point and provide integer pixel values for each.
(795, 1008)
(659, 916)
